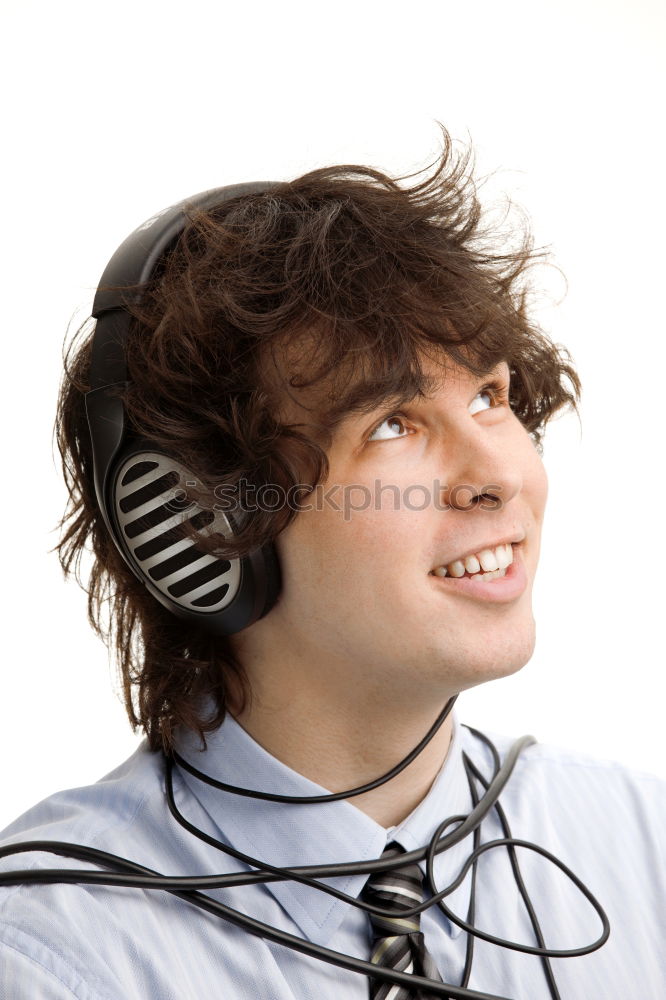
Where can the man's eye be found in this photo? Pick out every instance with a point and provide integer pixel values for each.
(496, 392)
(484, 392)
(395, 418)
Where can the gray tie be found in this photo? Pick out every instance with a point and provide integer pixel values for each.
(398, 942)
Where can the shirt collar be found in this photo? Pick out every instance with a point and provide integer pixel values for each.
(291, 835)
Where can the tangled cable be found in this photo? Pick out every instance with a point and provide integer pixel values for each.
(130, 874)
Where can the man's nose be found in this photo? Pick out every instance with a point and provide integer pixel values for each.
(483, 469)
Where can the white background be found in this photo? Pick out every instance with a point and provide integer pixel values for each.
(113, 112)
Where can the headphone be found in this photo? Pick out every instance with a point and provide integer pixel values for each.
(136, 483)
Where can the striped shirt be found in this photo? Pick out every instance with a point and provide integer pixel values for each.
(603, 820)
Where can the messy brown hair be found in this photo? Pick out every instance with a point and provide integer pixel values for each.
(353, 276)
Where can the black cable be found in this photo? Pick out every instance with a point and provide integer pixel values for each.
(129, 874)
(468, 824)
(516, 945)
(330, 797)
(250, 924)
(472, 769)
(471, 909)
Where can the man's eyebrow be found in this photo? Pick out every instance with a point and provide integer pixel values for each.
(369, 394)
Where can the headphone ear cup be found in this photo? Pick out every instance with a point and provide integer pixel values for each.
(272, 575)
(148, 506)
(134, 481)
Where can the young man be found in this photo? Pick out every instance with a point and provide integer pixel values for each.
(363, 343)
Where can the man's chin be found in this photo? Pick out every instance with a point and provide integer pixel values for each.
(510, 657)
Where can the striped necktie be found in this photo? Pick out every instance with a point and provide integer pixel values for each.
(398, 942)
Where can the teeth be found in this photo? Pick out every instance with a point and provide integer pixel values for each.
(491, 576)
(493, 562)
(488, 560)
(472, 564)
(504, 556)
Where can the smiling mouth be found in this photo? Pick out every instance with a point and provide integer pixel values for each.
(487, 564)
(500, 587)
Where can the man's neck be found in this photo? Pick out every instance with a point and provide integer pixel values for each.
(346, 747)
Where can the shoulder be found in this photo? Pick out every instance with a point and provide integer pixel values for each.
(559, 763)
(39, 921)
(87, 812)
(28, 970)
(580, 796)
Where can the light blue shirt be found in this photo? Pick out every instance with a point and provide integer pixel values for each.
(606, 822)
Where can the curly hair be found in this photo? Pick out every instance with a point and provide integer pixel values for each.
(354, 278)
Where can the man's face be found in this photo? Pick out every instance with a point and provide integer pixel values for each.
(360, 608)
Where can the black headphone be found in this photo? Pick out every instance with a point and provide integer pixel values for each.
(136, 483)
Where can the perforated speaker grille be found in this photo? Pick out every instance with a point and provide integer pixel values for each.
(151, 515)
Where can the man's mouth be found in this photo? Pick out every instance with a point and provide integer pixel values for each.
(488, 564)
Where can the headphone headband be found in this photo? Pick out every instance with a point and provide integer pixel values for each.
(134, 263)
